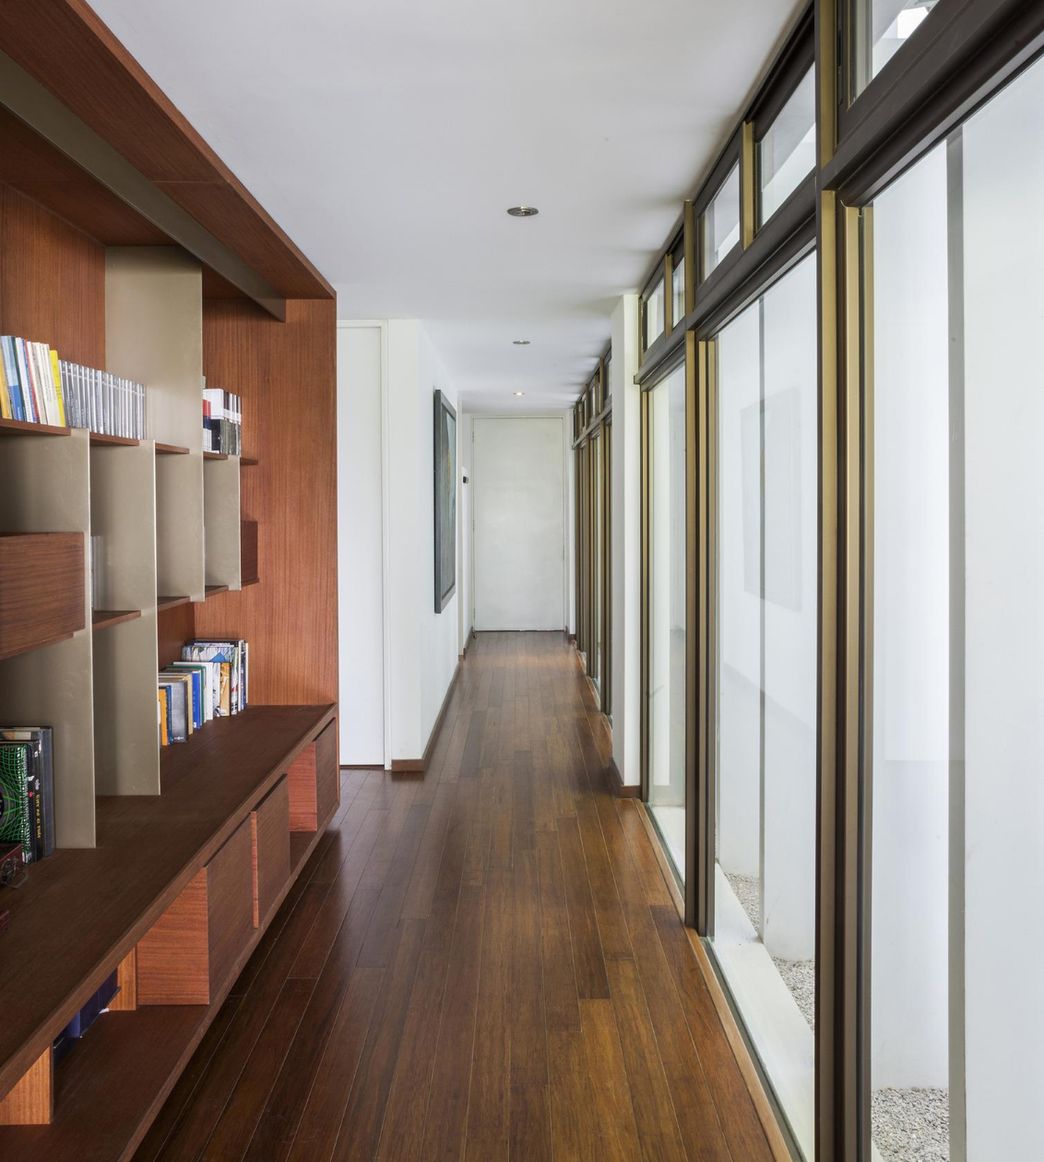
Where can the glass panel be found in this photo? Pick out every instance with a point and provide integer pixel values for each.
(787, 152)
(608, 377)
(595, 661)
(958, 634)
(654, 315)
(720, 222)
(678, 289)
(886, 25)
(666, 760)
(764, 891)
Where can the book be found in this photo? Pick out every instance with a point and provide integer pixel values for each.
(162, 715)
(233, 652)
(6, 411)
(222, 421)
(195, 688)
(40, 741)
(177, 700)
(17, 821)
(14, 387)
(210, 679)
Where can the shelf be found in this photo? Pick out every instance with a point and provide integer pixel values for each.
(41, 590)
(103, 618)
(215, 455)
(99, 439)
(171, 450)
(21, 428)
(163, 603)
(250, 581)
(71, 932)
(247, 461)
(213, 590)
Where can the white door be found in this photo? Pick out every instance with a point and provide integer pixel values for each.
(518, 474)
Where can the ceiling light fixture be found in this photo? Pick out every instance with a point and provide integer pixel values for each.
(520, 342)
(520, 393)
(523, 211)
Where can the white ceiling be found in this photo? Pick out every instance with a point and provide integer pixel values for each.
(389, 137)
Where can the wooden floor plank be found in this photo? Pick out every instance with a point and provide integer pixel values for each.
(480, 962)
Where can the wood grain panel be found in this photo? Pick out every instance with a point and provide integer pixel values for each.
(230, 904)
(34, 614)
(174, 627)
(52, 280)
(270, 838)
(126, 999)
(286, 374)
(327, 775)
(31, 1102)
(300, 781)
(67, 48)
(174, 956)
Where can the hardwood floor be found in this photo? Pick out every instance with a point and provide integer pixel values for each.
(482, 962)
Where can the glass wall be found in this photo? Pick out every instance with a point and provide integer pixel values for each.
(958, 634)
(665, 680)
(882, 28)
(765, 768)
(652, 314)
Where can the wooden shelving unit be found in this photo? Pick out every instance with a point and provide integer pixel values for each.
(174, 532)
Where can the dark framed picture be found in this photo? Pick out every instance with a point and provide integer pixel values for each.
(445, 501)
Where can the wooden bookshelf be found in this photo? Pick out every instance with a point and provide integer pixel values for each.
(21, 428)
(105, 618)
(116, 284)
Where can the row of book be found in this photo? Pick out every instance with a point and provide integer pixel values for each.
(39, 388)
(210, 681)
(27, 790)
(222, 421)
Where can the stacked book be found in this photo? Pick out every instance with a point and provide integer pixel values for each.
(39, 388)
(222, 421)
(27, 789)
(210, 681)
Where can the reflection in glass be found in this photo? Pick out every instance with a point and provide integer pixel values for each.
(720, 222)
(654, 315)
(787, 152)
(678, 289)
(958, 637)
(666, 678)
(765, 788)
(888, 25)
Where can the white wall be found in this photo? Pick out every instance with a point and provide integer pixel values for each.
(387, 410)
(359, 543)
(625, 499)
(465, 595)
(520, 506)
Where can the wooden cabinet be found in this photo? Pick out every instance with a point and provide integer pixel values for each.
(270, 840)
(313, 783)
(192, 949)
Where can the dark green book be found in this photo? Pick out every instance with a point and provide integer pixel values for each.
(17, 822)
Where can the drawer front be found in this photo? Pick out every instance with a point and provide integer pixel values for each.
(270, 836)
(230, 904)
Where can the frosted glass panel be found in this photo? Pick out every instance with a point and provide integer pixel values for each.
(720, 223)
(666, 681)
(764, 892)
(654, 315)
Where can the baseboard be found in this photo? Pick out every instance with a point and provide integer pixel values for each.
(621, 789)
(415, 766)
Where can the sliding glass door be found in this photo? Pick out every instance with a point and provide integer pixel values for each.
(764, 778)
(955, 809)
(666, 621)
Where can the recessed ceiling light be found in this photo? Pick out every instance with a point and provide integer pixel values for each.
(523, 211)
(520, 393)
(520, 342)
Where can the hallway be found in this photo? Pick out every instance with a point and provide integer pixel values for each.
(480, 962)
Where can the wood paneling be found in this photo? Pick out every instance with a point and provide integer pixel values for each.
(301, 784)
(270, 839)
(327, 775)
(31, 1102)
(52, 281)
(126, 999)
(230, 904)
(68, 48)
(248, 551)
(172, 958)
(446, 927)
(34, 614)
(286, 374)
(174, 627)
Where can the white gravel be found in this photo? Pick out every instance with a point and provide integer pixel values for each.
(911, 1125)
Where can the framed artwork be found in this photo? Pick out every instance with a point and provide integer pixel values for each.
(445, 501)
